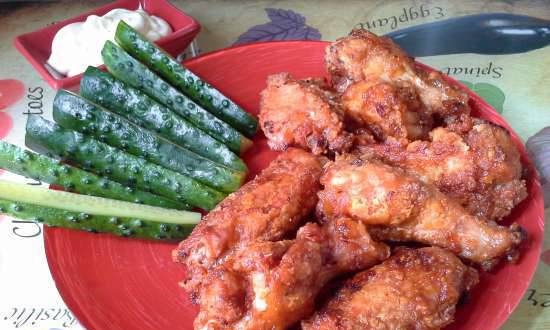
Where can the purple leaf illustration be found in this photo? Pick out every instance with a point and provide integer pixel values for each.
(285, 17)
(284, 25)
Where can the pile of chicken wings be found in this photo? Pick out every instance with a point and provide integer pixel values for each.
(384, 202)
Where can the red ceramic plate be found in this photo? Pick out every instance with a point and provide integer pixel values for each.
(112, 283)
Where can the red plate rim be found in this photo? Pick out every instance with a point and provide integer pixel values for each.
(495, 118)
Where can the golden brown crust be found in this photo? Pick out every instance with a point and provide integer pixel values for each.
(500, 171)
(481, 170)
(403, 208)
(301, 113)
(267, 208)
(372, 192)
(387, 110)
(413, 289)
(364, 56)
(272, 285)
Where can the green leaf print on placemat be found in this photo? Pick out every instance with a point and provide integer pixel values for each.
(489, 92)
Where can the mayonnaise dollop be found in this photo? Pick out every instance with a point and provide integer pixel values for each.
(77, 45)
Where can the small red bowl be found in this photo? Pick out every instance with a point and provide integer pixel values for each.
(36, 45)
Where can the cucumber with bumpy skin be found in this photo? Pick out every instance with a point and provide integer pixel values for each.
(43, 168)
(124, 67)
(96, 214)
(134, 105)
(118, 165)
(126, 227)
(186, 81)
(73, 112)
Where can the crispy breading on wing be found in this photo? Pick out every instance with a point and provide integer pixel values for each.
(498, 162)
(413, 289)
(364, 56)
(267, 208)
(302, 113)
(370, 191)
(273, 285)
(481, 170)
(403, 208)
(388, 110)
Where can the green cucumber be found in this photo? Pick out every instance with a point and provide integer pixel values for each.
(23, 162)
(73, 112)
(96, 214)
(126, 227)
(183, 79)
(118, 165)
(41, 196)
(102, 88)
(124, 67)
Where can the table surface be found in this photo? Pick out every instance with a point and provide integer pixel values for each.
(515, 83)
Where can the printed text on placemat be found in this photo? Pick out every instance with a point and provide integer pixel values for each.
(405, 15)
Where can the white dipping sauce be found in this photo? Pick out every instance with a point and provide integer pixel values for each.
(78, 45)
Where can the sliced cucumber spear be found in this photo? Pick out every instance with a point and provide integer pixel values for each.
(131, 71)
(96, 214)
(73, 112)
(118, 165)
(40, 167)
(186, 81)
(134, 105)
(127, 227)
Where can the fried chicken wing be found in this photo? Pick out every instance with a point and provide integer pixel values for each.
(500, 170)
(267, 208)
(301, 113)
(272, 285)
(403, 208)
(387, 110)
(413, 289)
(482, 170)
(364, 56)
